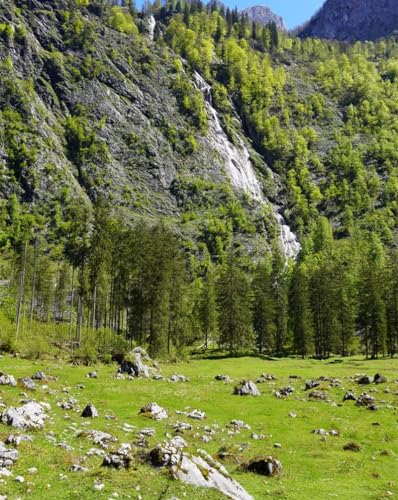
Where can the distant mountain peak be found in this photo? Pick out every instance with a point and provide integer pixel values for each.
(350, 20)
(264, 15)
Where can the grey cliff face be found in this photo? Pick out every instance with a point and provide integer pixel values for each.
(349, 20)
(264, 15)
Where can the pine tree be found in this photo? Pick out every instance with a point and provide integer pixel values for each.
(234, 306)
(300, 311)
(208, 313)
(264, 308)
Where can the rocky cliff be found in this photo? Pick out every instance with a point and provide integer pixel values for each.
(349, 20)
(264, 15)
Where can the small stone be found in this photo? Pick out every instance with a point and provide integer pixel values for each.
(90, 411)
(197, 415)
(277, 445)
(32, 471)
(99, 486)
(78, 468)
(19, 479)
(93, 374)
(154, 411)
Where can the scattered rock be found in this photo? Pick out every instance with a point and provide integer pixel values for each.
(265, 377)
(379, 379)
(120, 458)
(240, 424)
(150, 431)
(364, 380)
(311, 384)
(257, 437)
(78, 468)
(292, 414)
(7, 380)
(93, 374)
(19, 479)
(99, 438)
(352, 447)
(223, 378)
(268, 466)
(365, 400)
(246, 388)
(27, 383)
(284, 392)
(197, 415)
(178, 378)
(32, 471)
(29, 416)
(202, 471)
(134, 365)
(8, 456)
(90, 411)
(17, 439)
(39, 375)
(154, 411)
(181, 427)
(317, 395)
(349, 396)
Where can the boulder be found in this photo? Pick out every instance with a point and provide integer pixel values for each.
(202, 471)
(284, 392)
(39, 375)
(246, 388)
(120, 458)
(8, 456)
(7, 380)
(365, 400)
(379, 379)
(29, 416)
(90, 411)
(133, 363)
(311, 384)
(317, 395)
(197, 415)
(27, 383)
(364, 380)
(154, 411)
(349, 396)
(99, 438)
(268, 466)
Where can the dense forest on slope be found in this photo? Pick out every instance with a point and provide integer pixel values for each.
(149, 161)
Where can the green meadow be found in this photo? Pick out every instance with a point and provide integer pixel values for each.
(314, 466)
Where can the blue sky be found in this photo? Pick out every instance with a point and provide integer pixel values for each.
(294, 12)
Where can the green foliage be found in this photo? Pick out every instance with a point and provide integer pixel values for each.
(122, 21)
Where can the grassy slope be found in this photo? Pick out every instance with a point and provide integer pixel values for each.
(313, 468)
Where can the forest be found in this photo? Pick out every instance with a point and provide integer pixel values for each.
(324, 117)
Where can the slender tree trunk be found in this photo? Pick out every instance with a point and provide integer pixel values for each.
(72, 297)
(21, 289)
(32, 299)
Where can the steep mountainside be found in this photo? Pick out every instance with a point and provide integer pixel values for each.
(264, 15)
(91, 112)
(349, 20)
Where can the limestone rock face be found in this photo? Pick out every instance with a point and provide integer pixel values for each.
(264, 15)
(349, 20)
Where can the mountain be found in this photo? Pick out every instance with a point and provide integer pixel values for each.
(192, 118)
(350, 20)
(264, 15)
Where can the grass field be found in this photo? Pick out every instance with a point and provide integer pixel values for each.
(314, 467)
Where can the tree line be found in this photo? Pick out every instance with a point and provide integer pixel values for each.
(141, 283)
